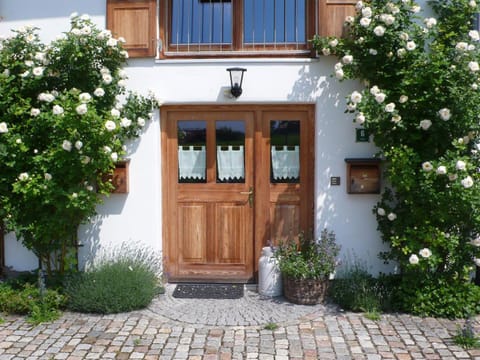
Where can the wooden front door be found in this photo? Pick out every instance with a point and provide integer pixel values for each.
(234, 177)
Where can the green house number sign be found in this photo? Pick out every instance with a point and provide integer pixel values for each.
(362, 135)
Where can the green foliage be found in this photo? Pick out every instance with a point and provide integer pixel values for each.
(64, 118)
(438, 296)
(466, 337)
(373, 315)
(27, 300)
(421, 103)
(354, 289)
(271, 326)
(124, 280)
(310, 259)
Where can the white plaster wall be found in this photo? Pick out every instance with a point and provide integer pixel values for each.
(136, 217)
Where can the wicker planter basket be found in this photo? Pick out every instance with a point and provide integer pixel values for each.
(305, 291)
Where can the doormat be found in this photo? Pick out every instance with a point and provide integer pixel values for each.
(208, 291)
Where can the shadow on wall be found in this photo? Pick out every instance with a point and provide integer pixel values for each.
(349, 216)
(21, 10)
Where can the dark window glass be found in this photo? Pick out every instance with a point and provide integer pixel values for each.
(274, 21)
(230, 141)
(192, 141)
(201, 22)
(285, 151)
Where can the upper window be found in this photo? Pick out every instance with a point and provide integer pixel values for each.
(217, 27)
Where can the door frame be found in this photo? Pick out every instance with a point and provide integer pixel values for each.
(261, 233)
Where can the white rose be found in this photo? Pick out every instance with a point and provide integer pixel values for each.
(425, 253)
(469, 48)
(445, 114)
(351, 106)
(141, 122)
(107, 78)
(452, 177)
(367, 12)
(381, 211)
(99, 92)
(85, 97)
(411, 45)
(104, 70)
(430, 22)
(89, 187)
(365, 22)
(81, 109)
(441, 170)
(389, 19)
(110, 125)
(107, 149)
(404, 36)
(474, 35)
(3, 127)
(23, 176)
(35, 112)
(122, 74)
(467, 182)
(74, 195)
(380, 97)
(460, 165)
(359, 5)
(326, 51)
(347, 59)
(372, 52)
(333, 43)
(356, 97)
(475, 242)
(360, 118)
(339, 74)
(416, 8)
(401, 52)
(403, 99)
(48, 176)
(390, 107)
(124, 122)
(57, 110)
(66, 145)
(427, 166)
(425, 124)
(78, 145)
(391, 216)
(473, 66)
(396, 119)
(379, 30)
(472, 4)
(115, 113)
(85, 160)
(76, 31)
(374, 90)
(38, 71)
(413, 259)
(461, 46)
(349, 19)
(114, 156)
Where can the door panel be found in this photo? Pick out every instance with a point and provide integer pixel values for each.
(234, 177)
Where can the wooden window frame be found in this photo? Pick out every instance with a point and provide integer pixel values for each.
(237, 48)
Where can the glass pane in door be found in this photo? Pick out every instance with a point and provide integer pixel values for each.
(285, 151)
(192, 140)
(230, 143)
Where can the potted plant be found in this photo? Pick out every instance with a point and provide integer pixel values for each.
(306, 266)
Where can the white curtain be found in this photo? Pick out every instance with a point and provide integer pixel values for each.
(230, 162)
(285, 162)
(191, 162)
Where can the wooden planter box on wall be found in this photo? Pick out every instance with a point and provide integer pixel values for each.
(119, 178)
(363, 176)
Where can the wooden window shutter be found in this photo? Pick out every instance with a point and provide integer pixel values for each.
(332, 16)
(134, 20)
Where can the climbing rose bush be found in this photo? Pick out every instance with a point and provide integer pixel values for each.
(421, 103)
(65, 116)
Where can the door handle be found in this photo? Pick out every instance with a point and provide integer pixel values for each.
(250, 195)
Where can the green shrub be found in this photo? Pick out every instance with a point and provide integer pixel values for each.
(123, 281)
(355, 289)
(439, 297)
(27, 300)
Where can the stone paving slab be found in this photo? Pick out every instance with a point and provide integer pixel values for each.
(174, 329)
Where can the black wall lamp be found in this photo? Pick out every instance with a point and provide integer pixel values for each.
(236, 79)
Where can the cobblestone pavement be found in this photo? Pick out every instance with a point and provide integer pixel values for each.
(232, 329)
